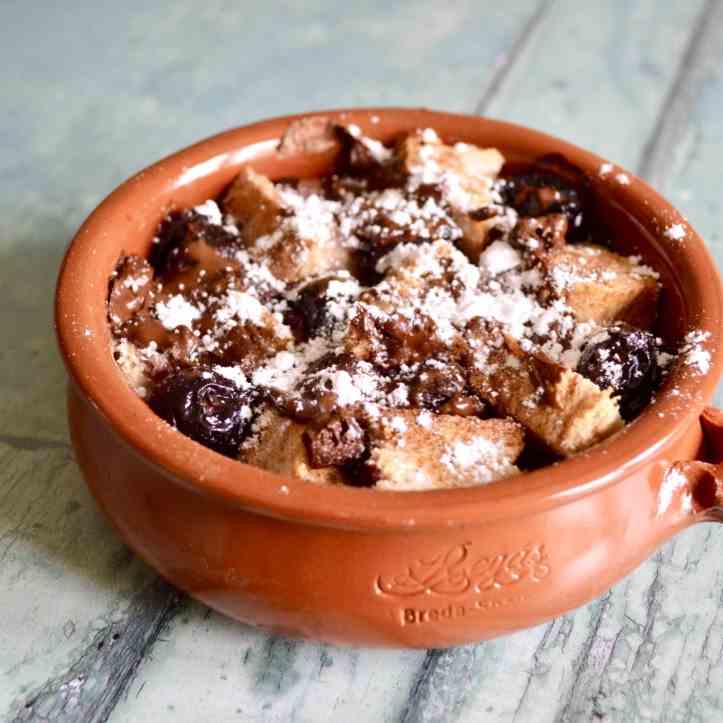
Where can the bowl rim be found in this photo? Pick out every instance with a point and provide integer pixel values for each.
(83, 338)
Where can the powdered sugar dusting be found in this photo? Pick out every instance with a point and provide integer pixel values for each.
(673, 481)
(177, 312)
(479, 458)
(694, 353)
(676, 232)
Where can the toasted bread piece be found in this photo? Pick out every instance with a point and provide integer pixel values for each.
(137, 364)
(291, 247)
(602, 286)
(422, 451)
(474, 233)
(278, 446)
(314, 134)
(466, 174)
(565, 411)
(466, 170)
(293, 257)
(412, 270)
(255, 203)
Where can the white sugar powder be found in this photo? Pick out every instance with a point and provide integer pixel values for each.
(211, 211)
(234, 374)
(499, 257)
(676, 232)
(694, 355)
(240, 306)
(177, 312)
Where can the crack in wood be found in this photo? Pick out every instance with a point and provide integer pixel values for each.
(509, 59)
(276, 673)
(656, 157)
(532, 672)
(33, 444)
(90, 687)
(439, 685)
(426, 671)
(580, 665)
(651, 608)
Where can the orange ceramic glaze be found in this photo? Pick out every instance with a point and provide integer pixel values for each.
(360, 566)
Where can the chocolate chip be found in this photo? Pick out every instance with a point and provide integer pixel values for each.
(309, 314)
(394, 340)
(538, 236)
(463, 405)
(188, 239)
(130, 288)
(484, 213)
(436, 383)
(542, 193)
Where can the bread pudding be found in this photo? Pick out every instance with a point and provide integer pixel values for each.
(423, 316)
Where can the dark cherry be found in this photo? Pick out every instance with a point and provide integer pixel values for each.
(542, 193)
(623, 359)
(209, 410)
(359, 472)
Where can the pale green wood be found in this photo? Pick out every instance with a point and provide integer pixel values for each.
(112, 86)
(239, 673)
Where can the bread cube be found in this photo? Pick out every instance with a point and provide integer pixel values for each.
(277, 445)
(566, 412)
(255, 203)
(413, 450)
(602, 286)
(466, 174)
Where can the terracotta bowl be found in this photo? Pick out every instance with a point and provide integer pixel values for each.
(357, 566)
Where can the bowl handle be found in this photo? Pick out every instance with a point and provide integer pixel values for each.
(701, 482)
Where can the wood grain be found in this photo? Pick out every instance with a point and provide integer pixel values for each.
(99, 92)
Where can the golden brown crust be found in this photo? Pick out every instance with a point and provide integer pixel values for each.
(255, 203)
(562, 409)
(474, 167)
(474, 170)
(267, 227)
(308, 135)
(602, 286)
(278, 446)
(413, 450)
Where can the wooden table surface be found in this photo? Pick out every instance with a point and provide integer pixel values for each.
(93, 91)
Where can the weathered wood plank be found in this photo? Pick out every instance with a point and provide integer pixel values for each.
(243, 674)
(89, 689)
(67, 585)
(597, 74)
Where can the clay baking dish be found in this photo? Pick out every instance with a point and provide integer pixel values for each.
(358, 566)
